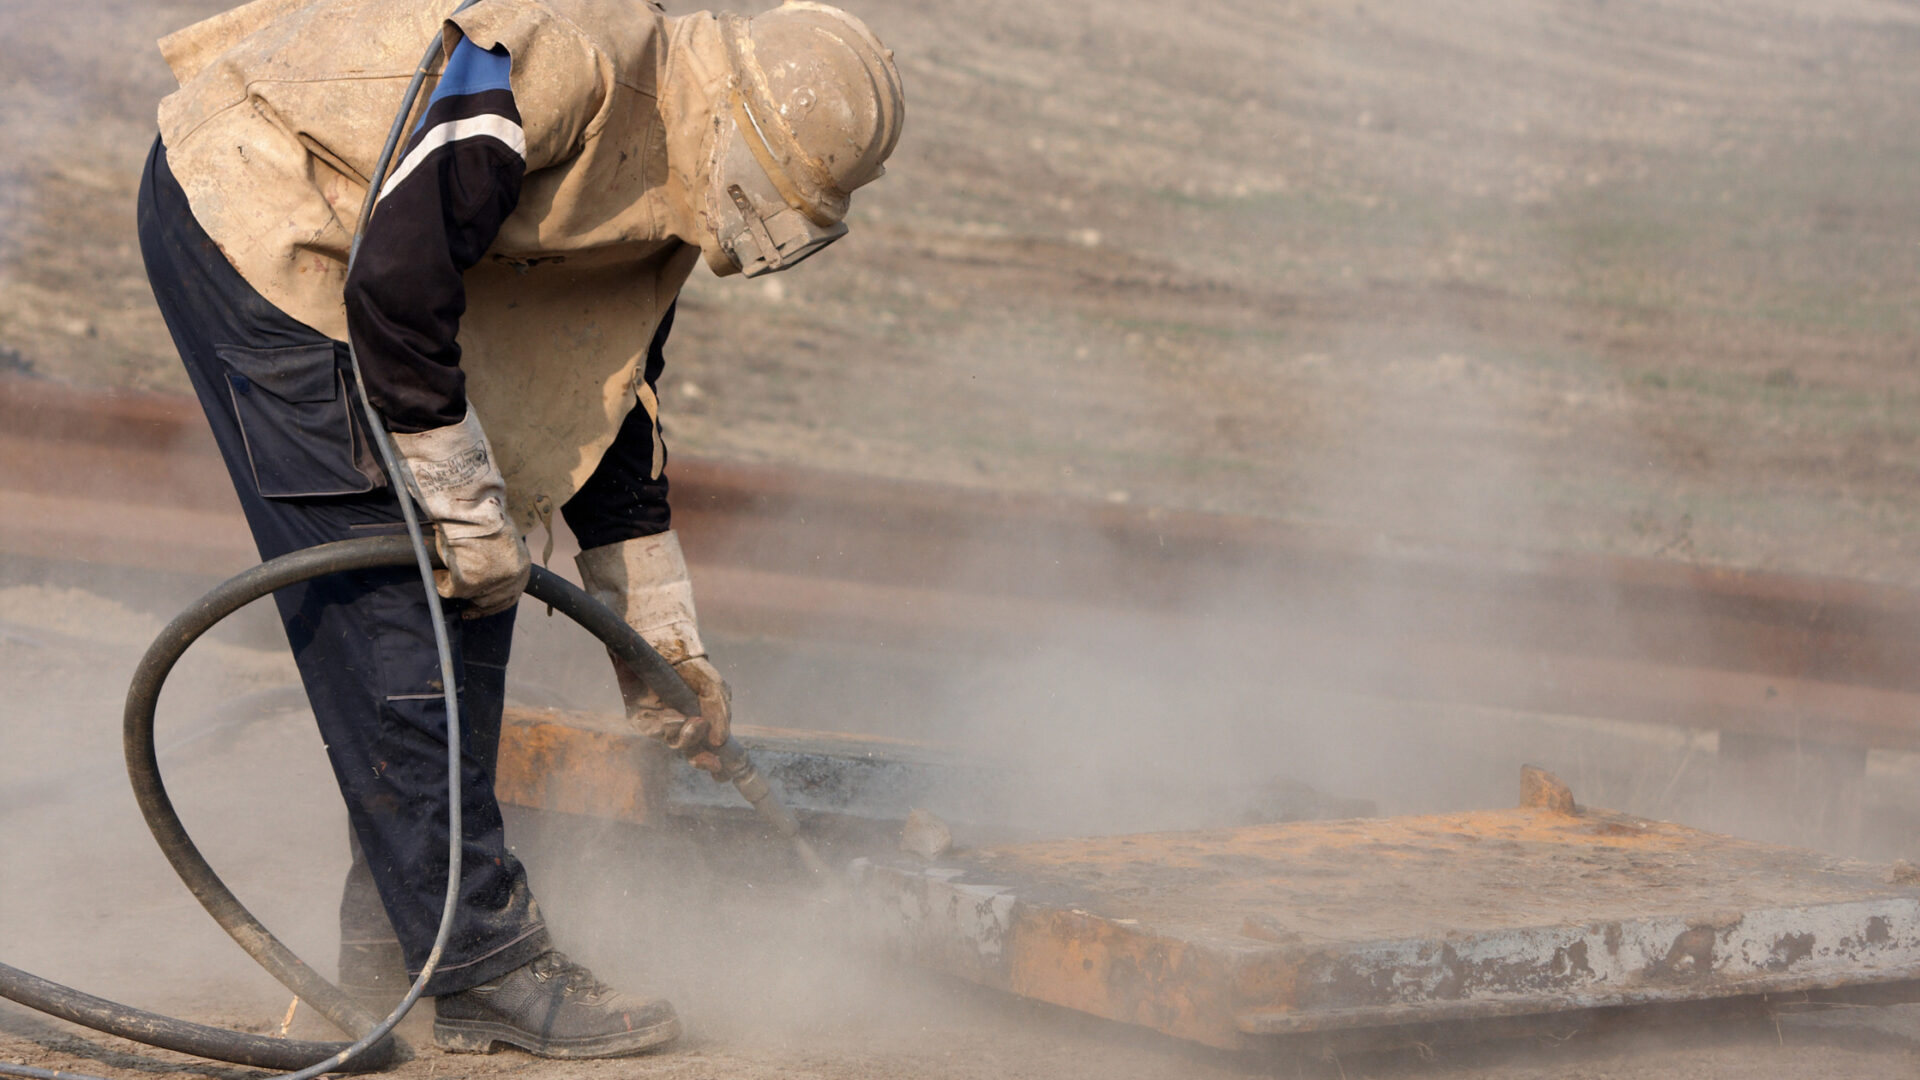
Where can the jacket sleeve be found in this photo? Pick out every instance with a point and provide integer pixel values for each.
(457, 180)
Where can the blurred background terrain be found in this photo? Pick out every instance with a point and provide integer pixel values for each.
(1618, 275)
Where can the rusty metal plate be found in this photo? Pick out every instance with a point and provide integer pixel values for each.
(1229, 936)
(600, 766)
(579, 763)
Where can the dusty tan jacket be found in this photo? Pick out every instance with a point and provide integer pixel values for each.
(282, 109)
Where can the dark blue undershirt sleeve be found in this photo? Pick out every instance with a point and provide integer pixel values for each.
(443, 204)
(626, 497)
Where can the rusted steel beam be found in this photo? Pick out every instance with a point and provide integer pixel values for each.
(131, 419)
(79, 529)
(1397, 660)
(873, 531)
(803, 553)
(1231, 937)
(1796, 657)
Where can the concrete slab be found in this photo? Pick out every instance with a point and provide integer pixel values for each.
(1237, 936)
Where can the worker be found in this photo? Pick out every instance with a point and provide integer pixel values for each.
(572, 164)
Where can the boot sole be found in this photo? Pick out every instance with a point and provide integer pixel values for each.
(485, 1037)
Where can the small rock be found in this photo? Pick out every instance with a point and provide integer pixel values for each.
(925, 835)
(1268, 928)
(1541, 790)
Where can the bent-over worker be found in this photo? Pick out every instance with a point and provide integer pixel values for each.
(573, 162)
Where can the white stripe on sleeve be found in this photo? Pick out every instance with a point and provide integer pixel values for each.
(487, 124)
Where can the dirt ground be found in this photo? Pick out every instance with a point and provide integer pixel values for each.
(1613, 275)
(773, 981)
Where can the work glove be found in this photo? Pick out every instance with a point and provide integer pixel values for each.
(644, 581)
(460, 489)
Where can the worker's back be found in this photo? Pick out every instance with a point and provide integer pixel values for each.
(282, 110)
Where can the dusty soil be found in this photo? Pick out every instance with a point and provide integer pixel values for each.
(1620, 275)
(1630, 275)
(771, 979)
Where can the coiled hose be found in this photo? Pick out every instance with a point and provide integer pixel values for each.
(372, 1048)
(371, 1043)
(143, 768)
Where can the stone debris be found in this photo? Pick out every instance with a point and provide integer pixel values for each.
(925, 835)
(1541, 790)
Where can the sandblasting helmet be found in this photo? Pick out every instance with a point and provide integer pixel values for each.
(814, 108)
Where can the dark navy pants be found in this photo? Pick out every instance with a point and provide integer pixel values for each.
(280, 398)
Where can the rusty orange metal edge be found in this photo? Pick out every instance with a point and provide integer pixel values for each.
(1790, 657)
(1031, 936)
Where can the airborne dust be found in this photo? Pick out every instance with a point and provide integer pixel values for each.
(1596, 276)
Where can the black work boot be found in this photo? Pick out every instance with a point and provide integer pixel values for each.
(555, 1008)
(373, 970)
(374, 973)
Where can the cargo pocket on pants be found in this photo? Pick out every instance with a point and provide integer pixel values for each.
(297, 422)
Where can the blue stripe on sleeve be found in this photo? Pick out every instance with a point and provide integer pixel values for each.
(471, 70)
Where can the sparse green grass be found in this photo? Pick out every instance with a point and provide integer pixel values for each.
(1184, 330)
(1840, 409)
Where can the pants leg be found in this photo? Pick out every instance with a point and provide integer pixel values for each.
(278, 394)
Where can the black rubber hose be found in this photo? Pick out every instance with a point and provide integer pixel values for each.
(143, 765)
(240, 1047)
(143, 769)
(143, 697)
(373, 1041)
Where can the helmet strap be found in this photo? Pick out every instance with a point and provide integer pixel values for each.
(757, 225)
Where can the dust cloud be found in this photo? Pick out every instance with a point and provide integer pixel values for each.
(1608, 300)
(1425, 282)
(90, 900)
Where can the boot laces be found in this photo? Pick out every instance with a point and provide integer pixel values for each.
(575, 979)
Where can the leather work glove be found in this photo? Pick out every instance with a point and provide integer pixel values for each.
(644, 581)
(461, 490)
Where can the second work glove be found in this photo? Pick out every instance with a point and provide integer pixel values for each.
(461, 490)
(644, 581)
